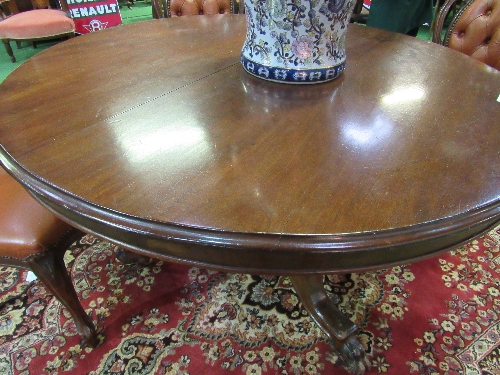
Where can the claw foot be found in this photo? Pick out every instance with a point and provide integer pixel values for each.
(352, 356)
(340, 330)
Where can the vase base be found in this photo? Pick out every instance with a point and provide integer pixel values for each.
(293, 76)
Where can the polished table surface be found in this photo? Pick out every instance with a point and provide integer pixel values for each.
(152, 136)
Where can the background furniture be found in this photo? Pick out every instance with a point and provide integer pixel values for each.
(357, 15)
(129, 3)
(35, 24)
(32, 237)
(404, 17)
(190, 159)
(176, 8)
(473, 30)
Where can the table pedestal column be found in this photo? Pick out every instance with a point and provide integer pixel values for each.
(339, 329)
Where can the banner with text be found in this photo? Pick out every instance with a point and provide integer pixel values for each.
(94, 15)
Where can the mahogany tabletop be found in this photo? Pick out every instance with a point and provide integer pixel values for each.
(152, 135)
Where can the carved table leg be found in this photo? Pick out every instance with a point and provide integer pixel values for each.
(339, 329)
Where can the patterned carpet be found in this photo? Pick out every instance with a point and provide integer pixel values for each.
(438, 316)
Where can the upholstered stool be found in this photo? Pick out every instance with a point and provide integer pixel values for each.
(32, 237)
(37, 24)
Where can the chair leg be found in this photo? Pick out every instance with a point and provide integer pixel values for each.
(9, 49)
(49, 267)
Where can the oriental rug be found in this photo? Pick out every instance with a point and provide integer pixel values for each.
(436, 316)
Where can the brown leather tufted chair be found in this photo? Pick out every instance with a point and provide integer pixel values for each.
(474, 30)
(176, 8)
(31, 237)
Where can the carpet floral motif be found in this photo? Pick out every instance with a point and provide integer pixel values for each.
(257, 323)
(466, 338)
(139, 354)
(438, 316)
(12, 283)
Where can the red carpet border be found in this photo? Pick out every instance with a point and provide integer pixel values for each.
(437, 316)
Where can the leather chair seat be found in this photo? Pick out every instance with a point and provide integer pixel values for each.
(35, 24)
(26, 228)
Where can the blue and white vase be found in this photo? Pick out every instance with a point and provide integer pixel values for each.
(296, 41)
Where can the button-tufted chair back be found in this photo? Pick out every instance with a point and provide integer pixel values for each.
(474, 30)
(176, 8)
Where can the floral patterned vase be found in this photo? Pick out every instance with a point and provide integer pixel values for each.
(296, 41)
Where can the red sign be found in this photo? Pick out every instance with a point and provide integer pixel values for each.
(94, 15)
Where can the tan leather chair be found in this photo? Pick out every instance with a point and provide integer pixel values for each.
(474, 30)
(177, 8)
(34, 24)
(31, 237)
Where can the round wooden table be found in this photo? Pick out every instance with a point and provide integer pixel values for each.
(153, 137)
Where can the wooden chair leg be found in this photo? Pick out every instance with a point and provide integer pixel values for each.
(49, 267)
(9, 50)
